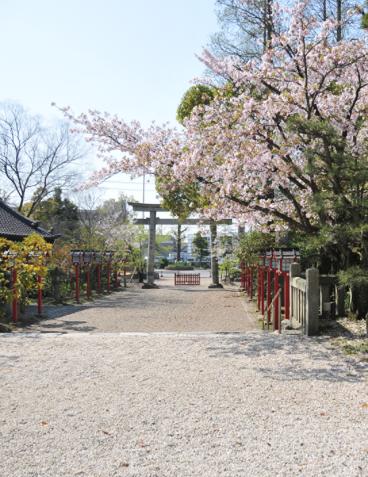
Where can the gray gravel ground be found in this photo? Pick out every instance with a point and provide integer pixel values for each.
(145, 405)
(195, 308)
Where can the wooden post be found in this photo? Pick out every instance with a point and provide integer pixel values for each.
(242, 275)
(39, 295)
(286, 295)
(276, 317)
(251, 282)
(98, 270)
(77, 282)
(14, 300)
(88, 280)
(262, 291)
(258, 272)
(269, 298)
(108, 276)
(295, 271)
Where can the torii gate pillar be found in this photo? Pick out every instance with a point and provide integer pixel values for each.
(151, 252)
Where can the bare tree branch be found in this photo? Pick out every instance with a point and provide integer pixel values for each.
(35, 159)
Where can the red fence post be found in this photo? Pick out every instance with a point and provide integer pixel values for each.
(251, 282)
(242, 276)
(71, 281)
(15, 300)
(269, 299)
(98, 270)
(39, 295)
(88, 280)
(276, 302)
(262, 290)
(258, 288)
(77, 282)
(247, 280)
(108, 277)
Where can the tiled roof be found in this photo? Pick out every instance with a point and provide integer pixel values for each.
(15, 226)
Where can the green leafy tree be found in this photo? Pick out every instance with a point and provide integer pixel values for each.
(178, 237)
(200, 246)
(59, 214)
(197, 95)
(251, 244)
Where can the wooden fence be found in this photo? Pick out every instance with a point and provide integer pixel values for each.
(298, 301)
(282, 294)
(305, 299)
(187, 279)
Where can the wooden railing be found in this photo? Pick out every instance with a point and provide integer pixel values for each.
(266, 321)
(298, 301)
(187, 279)
(305, 299)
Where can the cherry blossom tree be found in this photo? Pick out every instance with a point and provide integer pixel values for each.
(285, 149)
(289, 148)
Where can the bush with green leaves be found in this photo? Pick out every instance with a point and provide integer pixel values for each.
(179, 266)
(356, 279)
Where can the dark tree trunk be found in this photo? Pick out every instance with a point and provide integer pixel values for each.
(178, 244)
(359, 300)
(214, 260)
(339, 20)
(268, 23)
(324, 11)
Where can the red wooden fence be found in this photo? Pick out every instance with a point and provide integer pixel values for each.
(273, 285)
(187, 279)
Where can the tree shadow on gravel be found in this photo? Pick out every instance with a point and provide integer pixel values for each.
(131, 299)
(207, 290)
(46, 325)
(294, 349)
(63, 318)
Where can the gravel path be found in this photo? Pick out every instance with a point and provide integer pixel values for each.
(177, 405)
(167, 309)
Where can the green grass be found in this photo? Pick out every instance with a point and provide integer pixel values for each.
(355, 347)
(352, 347)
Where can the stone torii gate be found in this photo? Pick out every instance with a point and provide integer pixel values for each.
(153, 220)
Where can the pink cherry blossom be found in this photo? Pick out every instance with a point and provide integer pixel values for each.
(251, 164)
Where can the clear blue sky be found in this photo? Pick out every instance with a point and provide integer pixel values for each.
(135, 58)
(131, 57)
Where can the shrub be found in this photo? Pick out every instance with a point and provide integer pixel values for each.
(179, 266)
(356, 279)
(163, 263)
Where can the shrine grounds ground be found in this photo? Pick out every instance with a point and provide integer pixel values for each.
(179, 383)
(169, 309)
